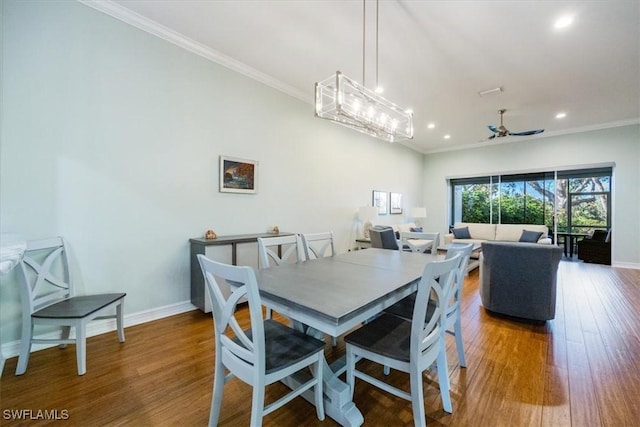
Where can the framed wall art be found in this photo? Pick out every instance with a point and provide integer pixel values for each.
(238, 175)
(395, 203)
(380, 201)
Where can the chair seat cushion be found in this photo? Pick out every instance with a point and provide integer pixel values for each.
(285, 346)
(387, 335)
(77, 307)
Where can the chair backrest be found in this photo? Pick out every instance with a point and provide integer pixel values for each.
(243, 355)
(44, 274)
(318, 245)
(464, 249)
(292, 252)
(383, 237)
(418, 241)
(436, 285)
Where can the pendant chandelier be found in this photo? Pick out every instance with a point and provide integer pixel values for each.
(343, 100)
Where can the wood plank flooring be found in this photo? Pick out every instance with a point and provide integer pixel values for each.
(581, 369)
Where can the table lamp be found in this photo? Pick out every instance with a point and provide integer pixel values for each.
(418, 213)
(367, 214)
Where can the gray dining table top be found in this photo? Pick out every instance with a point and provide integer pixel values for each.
(342, 289)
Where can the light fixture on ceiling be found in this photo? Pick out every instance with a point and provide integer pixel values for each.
(343, 100)
(494, 91)
(561, 115)
(563, 22)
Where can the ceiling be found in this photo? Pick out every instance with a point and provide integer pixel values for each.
(434, 57)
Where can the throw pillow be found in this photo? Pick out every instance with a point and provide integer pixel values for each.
(530, 236)
(461, 233)
(415, 229)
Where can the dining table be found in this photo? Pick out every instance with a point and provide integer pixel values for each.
(570, 239)
(332, 295)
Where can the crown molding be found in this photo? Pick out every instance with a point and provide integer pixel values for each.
(145, 24)
(545, 135)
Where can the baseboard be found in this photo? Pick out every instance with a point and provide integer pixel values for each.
(99, 327)
(626, 265)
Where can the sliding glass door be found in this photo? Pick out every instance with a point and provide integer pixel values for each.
(578, 201)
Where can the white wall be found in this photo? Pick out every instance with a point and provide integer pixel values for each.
(620, 145)
(111, 138)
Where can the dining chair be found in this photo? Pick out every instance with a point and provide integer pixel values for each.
(409, 346)
(270, 252)
(266, 352)
(404, 307)
(415, 241)
(48, 298)
(318, 245)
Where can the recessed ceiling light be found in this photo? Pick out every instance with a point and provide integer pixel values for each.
(447, 136)
(431, 125)
(563, 22)
(561, 115)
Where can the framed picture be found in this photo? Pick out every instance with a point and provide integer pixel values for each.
(380, 201)
(395, 203)
(238, 175)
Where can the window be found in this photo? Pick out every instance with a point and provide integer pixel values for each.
(580, 199)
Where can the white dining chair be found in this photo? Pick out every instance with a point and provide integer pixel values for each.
(318, 245)
(270, 251)
(48, 298)
(262, 354)
(404, 307)
(409, 346)
(415, 241)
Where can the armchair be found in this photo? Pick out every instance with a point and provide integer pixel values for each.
(596, 248)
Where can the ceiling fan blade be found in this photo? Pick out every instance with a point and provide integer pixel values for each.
(528, 132)
(493, 129)
(492, 136)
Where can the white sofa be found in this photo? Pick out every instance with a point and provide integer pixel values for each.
(500, 232)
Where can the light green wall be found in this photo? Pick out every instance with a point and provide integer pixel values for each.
(620, 145)
(111, 138)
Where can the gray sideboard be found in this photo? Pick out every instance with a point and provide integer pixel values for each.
(199, 245)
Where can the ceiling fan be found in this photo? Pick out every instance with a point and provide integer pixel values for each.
(502, 131)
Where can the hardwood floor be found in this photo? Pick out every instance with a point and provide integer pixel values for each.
(581, 369)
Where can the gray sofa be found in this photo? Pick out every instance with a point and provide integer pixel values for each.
(519, 279)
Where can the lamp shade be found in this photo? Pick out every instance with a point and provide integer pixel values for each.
(367, 213)
(419, 212)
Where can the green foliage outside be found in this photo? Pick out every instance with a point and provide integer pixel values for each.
(532, 202)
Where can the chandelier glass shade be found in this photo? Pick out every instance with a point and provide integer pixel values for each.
(345, 101)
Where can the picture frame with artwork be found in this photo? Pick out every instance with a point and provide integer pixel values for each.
(380, 201)
(238, 175)
(395, 203)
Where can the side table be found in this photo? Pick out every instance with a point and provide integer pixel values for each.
(199, 245)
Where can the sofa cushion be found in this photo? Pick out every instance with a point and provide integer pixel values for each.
(480, 231)
(416, 229)
(461, 233)
(513, 232)
(530, 236)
